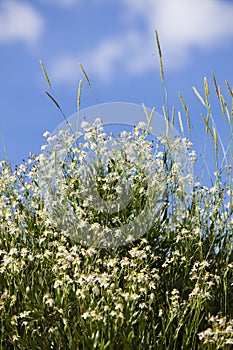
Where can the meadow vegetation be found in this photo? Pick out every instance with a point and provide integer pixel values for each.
(171, 288)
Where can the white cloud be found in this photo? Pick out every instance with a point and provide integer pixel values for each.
(183, 25)
(62, 3)
(103, 60)
(19, 21)
(65, 68)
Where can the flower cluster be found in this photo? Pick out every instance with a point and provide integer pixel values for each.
(157, 289)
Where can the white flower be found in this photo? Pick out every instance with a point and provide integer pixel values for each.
(15, 337)
(86, 315)
(43, 147)
(142, 125)
(85, 125)
(24, 314)
(46, 134)
(98, 121)
(119, 307)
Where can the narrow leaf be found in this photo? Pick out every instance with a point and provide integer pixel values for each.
(208, 130)
(53, 99)
(145, 110)
(199, 96)
(173, 116)
(228, 114)
(166, 120)
(150, 119)
(186, 111)
(181, 122)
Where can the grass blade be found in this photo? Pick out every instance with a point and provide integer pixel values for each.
(58, 106)
(79, 94)
(217, 89)
(229, 88)
(186, 111)
(199, 96)
(215, 140)
(53, 99)
(181, 122)
(207, 91)
(160, 56)
(45, 74)
(148, 117)
(208, 130)
(173, 116)
(85, 74)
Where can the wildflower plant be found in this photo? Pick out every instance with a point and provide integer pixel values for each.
(107, 191)
(73, 275)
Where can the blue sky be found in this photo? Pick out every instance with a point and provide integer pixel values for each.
(115, 42)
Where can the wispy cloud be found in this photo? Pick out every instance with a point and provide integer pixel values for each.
(19, 21)
(183, 25)
(62, 3)
(102, 61)
(65, 68)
